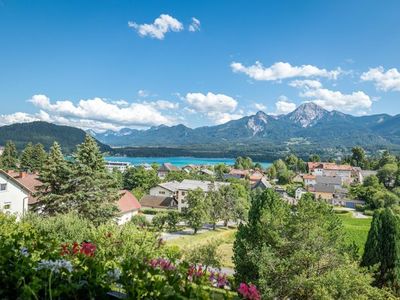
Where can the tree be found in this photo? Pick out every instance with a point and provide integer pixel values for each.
(38, 157)
(314, 158)
(386, 158)
(243, 163)
(220, 170)
(159, 220)
(282, 173)
(196, 214)
(176, 176)
(358, 157)
(172, 219)
(216, 207)
(26, 162)
(206, 255)
(55, 175)
(388, 174)
(271, 172)
(382, 248)
(94, 191)
(9, 157)
(234, 201)
(141, 178)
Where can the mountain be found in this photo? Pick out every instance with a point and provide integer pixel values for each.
(308, 127)
(45, 133)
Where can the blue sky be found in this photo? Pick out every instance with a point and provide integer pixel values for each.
(94, 64)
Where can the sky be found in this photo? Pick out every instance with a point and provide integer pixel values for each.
(107, 65)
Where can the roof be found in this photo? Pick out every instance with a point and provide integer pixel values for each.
(128, 202)
(239, 172)
(262, 184)
(257, 175)
(172, 186)
(323, 188)
(157, 201)
(207, 171)
(308, 176)
(204, 185)
(332, 180)
(27, 181)
(328, 166)
(168, 167)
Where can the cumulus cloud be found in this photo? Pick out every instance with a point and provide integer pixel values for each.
(260, 106)
(143, 93)
(163, 24)
(282, 70)
(164, 104)
(221, 118)
(211, 102)
(385, 81)
(195, 26)
(315, 84)
(284, 106)
(356, 102)
(18, 117)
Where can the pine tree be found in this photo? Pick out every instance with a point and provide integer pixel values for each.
(94, 191)
(26, 160)
(382, 248)
(39, 157)
(55, 174)
(9, 158)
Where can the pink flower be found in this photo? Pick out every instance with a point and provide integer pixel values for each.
(249, 292)
(162, 264)
(88, 248)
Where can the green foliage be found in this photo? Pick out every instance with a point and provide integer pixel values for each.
(243, 163)
(173, 217)
(9, 157)
(140, 221)
(282, 173)
(139, 179)
(196, 214)
(206, 254)
(382, 248)
(314, 158)
(387, 174)
(159, 221)
(220, 170)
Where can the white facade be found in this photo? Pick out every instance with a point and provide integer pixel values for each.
(120, 166)
(126, 217)
(13, 198)
(161, 191)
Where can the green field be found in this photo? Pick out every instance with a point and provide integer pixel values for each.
(356, 229)
(226, 235)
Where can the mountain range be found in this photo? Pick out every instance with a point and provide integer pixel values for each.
(309, 124)
(45, 133)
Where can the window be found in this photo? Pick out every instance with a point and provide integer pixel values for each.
(161, 192)
(183, 193)
(7, 205)
(3, 186)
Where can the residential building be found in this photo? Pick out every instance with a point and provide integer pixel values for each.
(335, 181)
(166, 189)
(331, 169)
(128, 206)
(255, 176)
(362, 174)
(165, 168)
(262, 184)
(205, 171)
(166, 202)
(309, 180)
(117, 165)
(237, 173)
(16, 191)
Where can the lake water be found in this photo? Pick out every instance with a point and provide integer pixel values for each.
(177, 161)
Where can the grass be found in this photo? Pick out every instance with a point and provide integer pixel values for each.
(356, 229)
(226, 235)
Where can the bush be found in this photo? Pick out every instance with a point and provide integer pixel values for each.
(368, 212)
(140, 220)
(173, 218)
(34, 265)
(360, 207)
(159, 221)
(150, 211)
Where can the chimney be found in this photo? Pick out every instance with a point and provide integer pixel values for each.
(22, 174)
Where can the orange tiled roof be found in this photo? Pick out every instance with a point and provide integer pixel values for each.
(128, 202)
(308, 176)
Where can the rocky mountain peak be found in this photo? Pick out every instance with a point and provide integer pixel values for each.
(307, 114)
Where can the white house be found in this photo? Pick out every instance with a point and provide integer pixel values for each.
(128, 206)
(118, 165)
(166, 189)
(299, 192)
(16, 189)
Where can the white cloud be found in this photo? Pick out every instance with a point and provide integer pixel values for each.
(284, 106)
(143, 93)
(315, 84)
(163, 24)
(211, 102)
(195, 26)
(282, 70)
(221, 118)
(100, 114)
(18, 117)
(260, 106)
(385, 81)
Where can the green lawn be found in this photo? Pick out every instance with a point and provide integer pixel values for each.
(356, 229)
(226, 235)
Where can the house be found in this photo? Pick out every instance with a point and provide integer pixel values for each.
(256, 176)
(297, 179)
(362, 174)
(189, 185)
(16, 191)
(323, 191)
(205, 171)
(309, 180)
(331, 169)
(165, 168)
(189, 168)
(128, 206)
(262, 184)
(299, 192)
(117, 165)
(335, 181)
(166, 202)
(237, 173)
(166, 189)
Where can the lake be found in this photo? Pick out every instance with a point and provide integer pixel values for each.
(177, 161)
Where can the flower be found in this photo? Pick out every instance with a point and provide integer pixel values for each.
(114, 274)
(88, 248)
(64, 249)
(218, 279)
(249, 292)
(24, 251)
(162, 263)
(195, 271)
(55, 265)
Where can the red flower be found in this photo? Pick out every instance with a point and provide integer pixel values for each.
(64, 249)
(249, 292)
(88, 248)
(75, 248)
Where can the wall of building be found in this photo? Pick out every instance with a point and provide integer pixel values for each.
(126, 217)
(324, 196)
(13, 195)
(160, 191)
